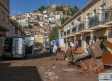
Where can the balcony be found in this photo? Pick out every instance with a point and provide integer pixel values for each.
(81, 26)
(64, 33)
(98, 21)
(74, 29)
(108, 15)
(93, 21)
(68, 32)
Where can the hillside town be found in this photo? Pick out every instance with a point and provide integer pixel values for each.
(40, 23)
(56, 42)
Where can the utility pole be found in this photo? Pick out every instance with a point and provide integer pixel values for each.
(48, 2)
(76, 5)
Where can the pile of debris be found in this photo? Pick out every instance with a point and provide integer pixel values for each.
(96, 60)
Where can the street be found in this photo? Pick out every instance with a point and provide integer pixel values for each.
(40, 67)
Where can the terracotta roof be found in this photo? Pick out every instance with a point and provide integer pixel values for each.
(35, 27)
(46, 34)
(23, 26)
(61, 30)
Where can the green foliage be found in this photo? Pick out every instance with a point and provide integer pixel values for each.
(68, 13)
(41, 8)
(63, 20)
(35, 24)
(47, 7)
(60, 9)
(34, 10)
(73, 11)
(54, 33)
(30, 26)
(16, 23)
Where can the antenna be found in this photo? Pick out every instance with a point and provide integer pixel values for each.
(48, 2)
(76, 3)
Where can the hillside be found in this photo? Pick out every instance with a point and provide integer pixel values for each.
(53, 7)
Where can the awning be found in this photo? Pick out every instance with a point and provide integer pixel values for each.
(86, 31)
(99, 27)
(3, 28)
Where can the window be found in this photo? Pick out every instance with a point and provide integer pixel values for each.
(2, 15)
(79, 44)
(7, 19)
(41, 37)
(7, 1)
(41, 41)
(57, 12)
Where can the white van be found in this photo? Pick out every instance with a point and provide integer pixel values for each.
(14, 47)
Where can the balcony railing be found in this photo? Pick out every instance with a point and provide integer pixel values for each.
(81, 26)
(64, 33)
(108, 14)
(74, 29)
(93, 21)
(101, 18)
(68, 32)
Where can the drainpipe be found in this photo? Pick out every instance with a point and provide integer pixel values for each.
(82, 14)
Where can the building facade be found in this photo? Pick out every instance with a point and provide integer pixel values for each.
(90, 24)
(40, 39)
(61, 40)
(4, 21)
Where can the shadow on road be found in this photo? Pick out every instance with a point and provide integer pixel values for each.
(16, 73)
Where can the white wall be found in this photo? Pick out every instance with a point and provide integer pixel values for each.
(40, 24)
(51, 19)
(23, 22)
(44, 11)
(57, 17)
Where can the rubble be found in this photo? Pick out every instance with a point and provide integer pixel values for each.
(96, 50)
(96, 61)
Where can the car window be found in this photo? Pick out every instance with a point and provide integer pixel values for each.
(30, 43)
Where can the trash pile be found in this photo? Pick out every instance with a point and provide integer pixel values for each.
(95, 59)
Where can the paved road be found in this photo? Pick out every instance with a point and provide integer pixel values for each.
(40, 67)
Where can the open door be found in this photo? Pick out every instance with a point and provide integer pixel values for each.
(30, 46)
(87, 41)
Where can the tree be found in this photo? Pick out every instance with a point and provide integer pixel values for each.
(47, 7)
(57, 8)
(16, 23)
(54, 33)
(34, 10)
(73, 11)
(30, 26)
(60, 9)
(68, 13)
(63, 20)
(42, 8)
(35, 24)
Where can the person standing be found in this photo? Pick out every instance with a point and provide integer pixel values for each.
(54, 51)
(76, 45)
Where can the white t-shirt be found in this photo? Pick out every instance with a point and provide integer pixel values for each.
(54, 48)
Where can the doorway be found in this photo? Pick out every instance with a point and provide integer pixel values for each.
(79, 44)
(1, 47)
(87, 41)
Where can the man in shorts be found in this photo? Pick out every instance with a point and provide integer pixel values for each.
(54, 51)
